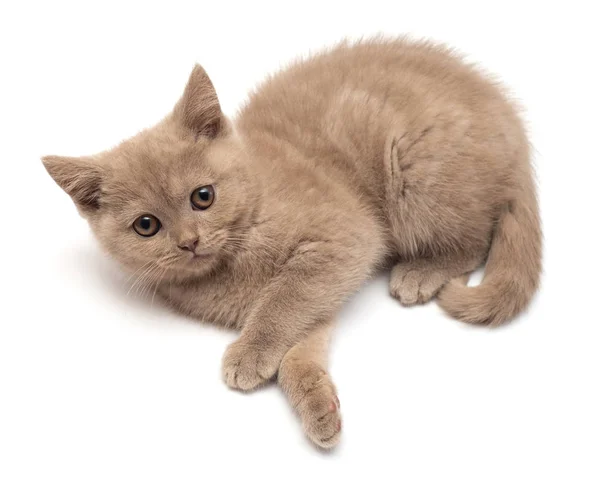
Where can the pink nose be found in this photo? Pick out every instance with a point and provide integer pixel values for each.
(189, 245)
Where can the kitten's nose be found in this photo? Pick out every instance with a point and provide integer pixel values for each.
(189, 245)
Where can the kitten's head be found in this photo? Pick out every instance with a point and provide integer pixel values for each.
(177, 198)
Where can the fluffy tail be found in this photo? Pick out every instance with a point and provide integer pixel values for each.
(513, 267)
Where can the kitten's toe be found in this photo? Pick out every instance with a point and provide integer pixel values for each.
(406, 289)
(246, 367)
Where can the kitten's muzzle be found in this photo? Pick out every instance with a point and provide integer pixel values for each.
(191, 245)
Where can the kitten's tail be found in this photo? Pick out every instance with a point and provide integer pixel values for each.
(513, 268)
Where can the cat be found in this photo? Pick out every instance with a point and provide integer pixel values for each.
(382, 153)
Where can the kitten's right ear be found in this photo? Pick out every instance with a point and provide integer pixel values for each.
(81, 178)
(198, 109)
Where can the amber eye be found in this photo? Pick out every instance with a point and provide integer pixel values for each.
(146, 225)
(203, 197)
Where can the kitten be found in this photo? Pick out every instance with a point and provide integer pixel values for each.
(382, 153)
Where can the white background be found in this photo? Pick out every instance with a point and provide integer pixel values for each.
(98, 384)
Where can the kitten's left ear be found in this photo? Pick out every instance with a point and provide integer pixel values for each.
(199, 109)
(81, 178)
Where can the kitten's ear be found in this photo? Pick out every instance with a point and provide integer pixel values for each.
(81, 178)
(199, 109)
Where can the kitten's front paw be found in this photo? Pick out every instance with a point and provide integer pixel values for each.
(245, 366)
(320, 412)
(313, 395)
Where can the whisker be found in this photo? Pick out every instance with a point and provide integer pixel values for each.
(143, 283)
(156, 287)
(140, 276)
(134, 273)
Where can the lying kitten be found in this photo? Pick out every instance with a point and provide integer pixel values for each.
(379, 153)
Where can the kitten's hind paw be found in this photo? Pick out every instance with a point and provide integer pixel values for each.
(415, 285)
(245, 366)
(417, 281)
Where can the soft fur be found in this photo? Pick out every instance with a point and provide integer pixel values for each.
(379, 153)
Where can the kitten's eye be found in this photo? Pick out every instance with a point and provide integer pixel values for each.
(203, 197)
(146, 225)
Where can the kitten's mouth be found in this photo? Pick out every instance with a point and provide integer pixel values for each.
(201, 255)
(194, 261)
(198, 254)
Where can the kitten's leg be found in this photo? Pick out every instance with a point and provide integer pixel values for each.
(304, 379)
(307, 292)
(418, 280)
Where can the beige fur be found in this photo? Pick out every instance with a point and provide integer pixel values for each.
(379, 153)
